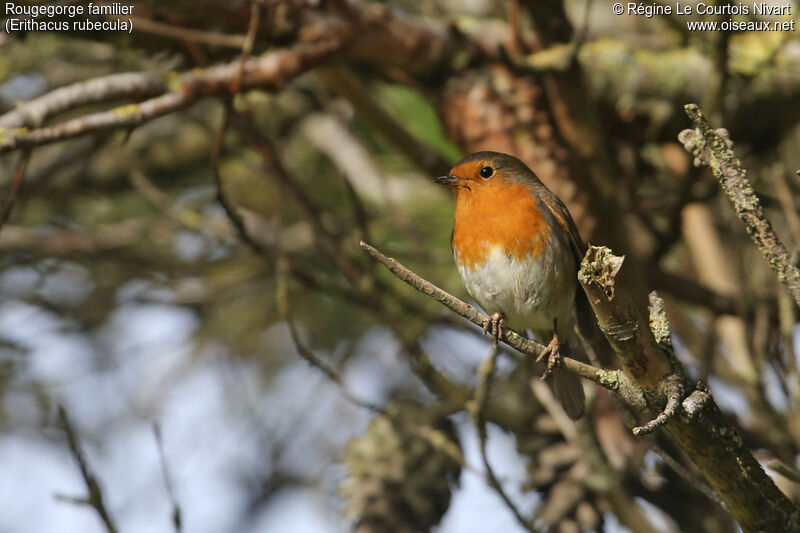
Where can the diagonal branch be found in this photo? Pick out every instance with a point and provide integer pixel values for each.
(712, 150)
(437, 438)
(610, 379)
(478, 411)
(177, 520)
(16, 185)
(95, 497)
(642, 344)
(652, 372)
(346, 84)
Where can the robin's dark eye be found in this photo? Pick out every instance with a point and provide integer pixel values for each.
(487, 172)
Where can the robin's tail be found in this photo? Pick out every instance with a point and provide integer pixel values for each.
(566, 386)
(569, 391)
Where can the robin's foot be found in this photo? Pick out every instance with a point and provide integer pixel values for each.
(494, 325)
(553, 356)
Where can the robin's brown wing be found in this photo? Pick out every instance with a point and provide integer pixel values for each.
(587, 325)
(560, 213)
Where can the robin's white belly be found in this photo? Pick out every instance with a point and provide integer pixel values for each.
(531, 293)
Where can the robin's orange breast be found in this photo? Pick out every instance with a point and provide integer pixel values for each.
(505, 215)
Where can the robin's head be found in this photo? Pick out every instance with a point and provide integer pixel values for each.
(485, 172)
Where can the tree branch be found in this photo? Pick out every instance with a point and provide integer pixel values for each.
(478, 411)
(95, 497)
(699, 428)
(129, 85)
(16, 185)
(272, 72)
(438, 439)
(651, 378)
(710, 149)
(210, 38)
(609, 379)
(177, 521)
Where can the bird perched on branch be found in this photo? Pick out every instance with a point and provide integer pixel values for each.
(517, 250)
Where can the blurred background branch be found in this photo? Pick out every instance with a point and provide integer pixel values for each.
(94, 497)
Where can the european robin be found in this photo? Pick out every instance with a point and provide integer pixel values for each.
(517, 250)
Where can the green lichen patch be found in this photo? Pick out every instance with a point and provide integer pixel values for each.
(129, 110)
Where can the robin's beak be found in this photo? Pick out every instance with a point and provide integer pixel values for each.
(450, 181)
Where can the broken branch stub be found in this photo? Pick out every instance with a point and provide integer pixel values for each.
(700, 429)
(620, 319)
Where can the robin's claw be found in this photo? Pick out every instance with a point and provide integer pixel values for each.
(553, 356)
(494, 326)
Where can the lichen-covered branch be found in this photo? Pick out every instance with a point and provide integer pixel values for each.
(132, 85)
(648, 384)
(624, 324)
(699, 428)
(609, 379)
(711, 149)
(271, 71)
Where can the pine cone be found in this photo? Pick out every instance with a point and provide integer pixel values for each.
(400, 474)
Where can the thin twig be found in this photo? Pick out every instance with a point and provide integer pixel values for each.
(78, 152)
(581, 35)
(16, 185)
(784, 194)
(713, 151)
(674, 398)
(482, 392)
(247, 45)
(177, 520)
(211, 38)
(609, 379)
(435, 437)
(95, 497)
(222, 197)
(787, 471)
(346, 84)
(329, 243)
(283, 303)
(692, 292)
(328, 370)
(544, 394)
(183, 216)
(515, 28)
